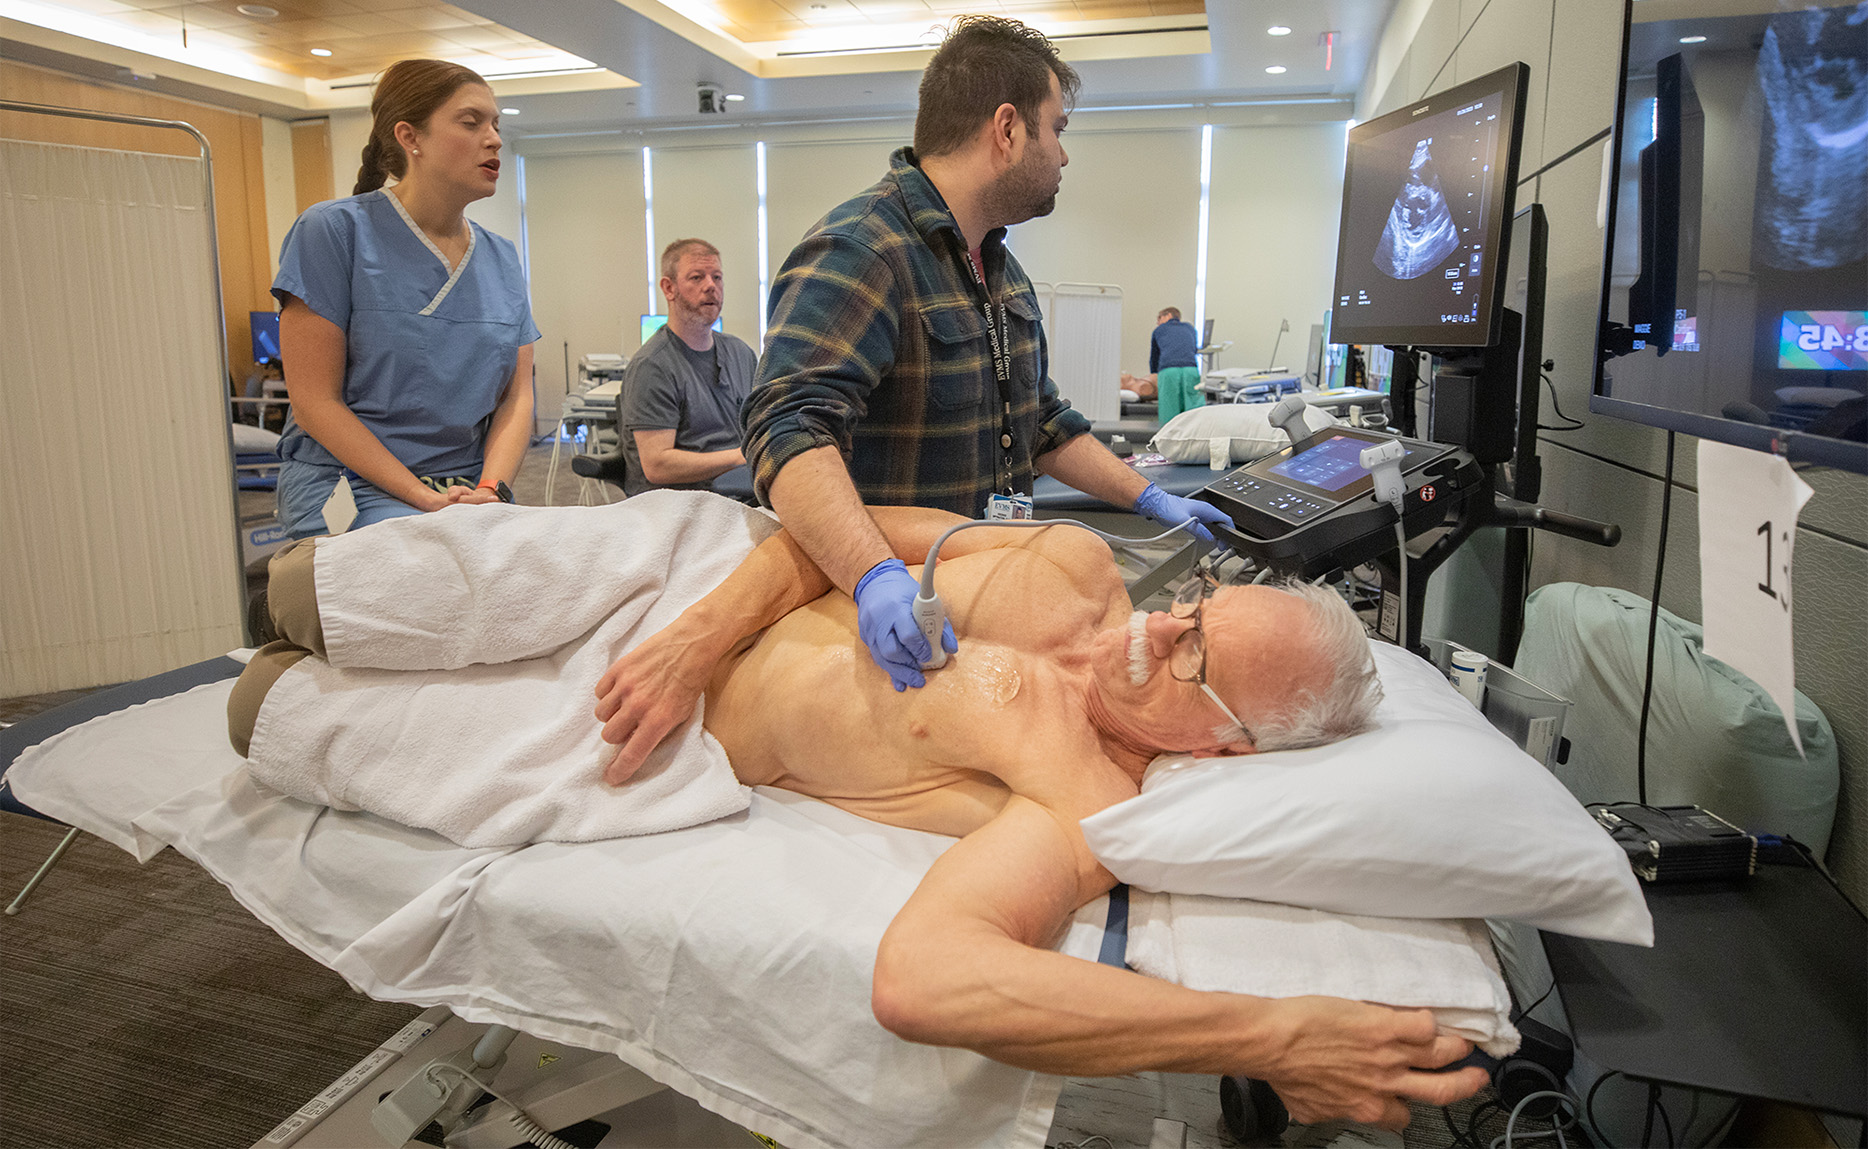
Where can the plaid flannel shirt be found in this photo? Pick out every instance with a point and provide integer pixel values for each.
(877, 345)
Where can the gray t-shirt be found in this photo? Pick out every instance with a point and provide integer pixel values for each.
(696, 394)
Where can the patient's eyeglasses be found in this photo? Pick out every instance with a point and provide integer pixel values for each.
(1187, 657)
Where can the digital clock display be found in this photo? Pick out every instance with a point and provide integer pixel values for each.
(1823, 341)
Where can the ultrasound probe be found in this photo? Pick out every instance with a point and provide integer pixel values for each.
(930, 614)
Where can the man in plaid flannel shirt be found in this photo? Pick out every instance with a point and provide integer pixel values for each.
(905, 360)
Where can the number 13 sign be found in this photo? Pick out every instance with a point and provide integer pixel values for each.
(1748, 507)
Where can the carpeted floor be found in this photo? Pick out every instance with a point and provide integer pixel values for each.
(143, 1007)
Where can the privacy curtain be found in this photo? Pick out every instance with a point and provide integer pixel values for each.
(118, 547)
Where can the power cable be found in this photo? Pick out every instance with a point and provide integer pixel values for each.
(1653, 624)
(1574, 424)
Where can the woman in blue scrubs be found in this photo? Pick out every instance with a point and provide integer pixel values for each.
(405, 329)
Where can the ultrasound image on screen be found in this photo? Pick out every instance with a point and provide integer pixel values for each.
(1420, 233)
(1415, 221)
(1814, 75)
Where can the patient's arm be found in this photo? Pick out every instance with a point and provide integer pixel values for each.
(962, 965)
(652, 689)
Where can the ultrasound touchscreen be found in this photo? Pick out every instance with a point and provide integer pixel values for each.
(1329, 466)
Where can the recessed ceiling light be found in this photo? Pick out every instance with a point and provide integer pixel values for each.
(257, 11)
(321, 51)
(735, 97)
(509, 111)
(1276, 69)
(1277, 30)
(1692, 39)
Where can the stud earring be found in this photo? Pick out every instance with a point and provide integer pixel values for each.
(418, 151)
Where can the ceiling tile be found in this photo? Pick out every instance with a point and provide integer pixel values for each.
(891, 11)
(436, 18)
(483, 37)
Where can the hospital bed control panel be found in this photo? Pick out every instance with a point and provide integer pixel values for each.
(1308, 509)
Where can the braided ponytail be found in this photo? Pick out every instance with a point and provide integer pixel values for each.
(371, 175)
(408, 92)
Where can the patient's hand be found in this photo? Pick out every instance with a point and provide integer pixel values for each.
(650, 691)
(1334, 1058)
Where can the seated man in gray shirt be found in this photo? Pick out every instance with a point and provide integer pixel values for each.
(679, 414)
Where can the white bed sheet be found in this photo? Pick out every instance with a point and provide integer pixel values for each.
(729, 961)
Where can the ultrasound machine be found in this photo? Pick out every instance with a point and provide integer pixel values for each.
(1420, 267)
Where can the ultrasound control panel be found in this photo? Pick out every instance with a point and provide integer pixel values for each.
(1308, 507)
(1280, 501)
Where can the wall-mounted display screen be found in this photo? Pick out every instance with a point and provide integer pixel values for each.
(1823, 341)
(1427, 204)
(1735, 292)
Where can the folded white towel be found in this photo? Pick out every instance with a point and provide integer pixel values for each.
(1267, 950)
(465, 648)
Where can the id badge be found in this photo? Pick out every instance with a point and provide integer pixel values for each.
(340, 510)
(1000, 508)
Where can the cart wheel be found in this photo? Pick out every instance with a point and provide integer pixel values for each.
(1252, 1111)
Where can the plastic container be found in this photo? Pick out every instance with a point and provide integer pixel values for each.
(1518, 708)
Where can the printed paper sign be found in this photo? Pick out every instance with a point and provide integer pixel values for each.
(1748, 507)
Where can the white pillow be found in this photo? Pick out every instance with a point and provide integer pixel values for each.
(1433, 814)
(250, 440)
(1184, 438)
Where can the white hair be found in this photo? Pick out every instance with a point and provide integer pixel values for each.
(1345, 704)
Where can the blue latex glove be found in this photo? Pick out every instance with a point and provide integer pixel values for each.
(887, 625)
(1172, 510)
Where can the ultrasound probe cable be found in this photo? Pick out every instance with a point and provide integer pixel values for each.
(930, 614)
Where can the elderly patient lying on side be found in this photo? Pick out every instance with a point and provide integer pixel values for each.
(1057, 701)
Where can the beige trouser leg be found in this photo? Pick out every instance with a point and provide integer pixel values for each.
(292, 597)
(292, 600)
(267, 664)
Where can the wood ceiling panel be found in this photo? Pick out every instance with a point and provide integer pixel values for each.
(307, 33)
(751, 11)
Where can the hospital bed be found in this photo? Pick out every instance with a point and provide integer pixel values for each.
(730, 961)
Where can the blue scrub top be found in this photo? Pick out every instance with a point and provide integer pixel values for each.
(429, 351)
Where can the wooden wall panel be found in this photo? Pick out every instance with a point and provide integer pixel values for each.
(311, 162)
(234, 137)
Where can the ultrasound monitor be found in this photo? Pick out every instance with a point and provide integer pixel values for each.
(1427, 204)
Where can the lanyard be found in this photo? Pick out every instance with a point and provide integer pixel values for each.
(998, 339)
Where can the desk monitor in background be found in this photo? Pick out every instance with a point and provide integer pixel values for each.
(265, 326)
(653, 323)
(1747, 328)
